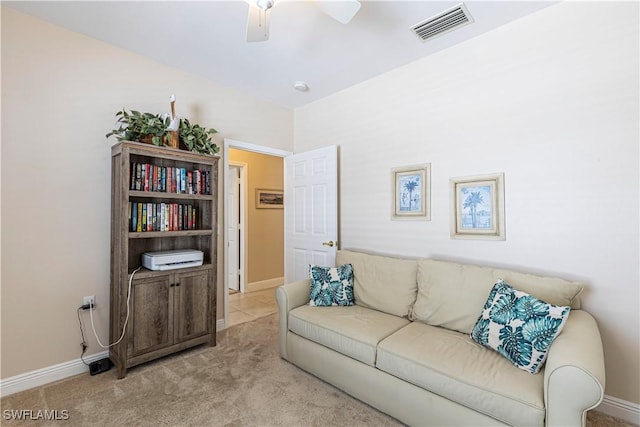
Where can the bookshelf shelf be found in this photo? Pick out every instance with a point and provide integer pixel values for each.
(167, 196)
(172, 195)
(161, 234)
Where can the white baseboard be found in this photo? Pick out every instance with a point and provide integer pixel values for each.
(47, 375)
(628, 411)
(264, 284)
(58, 372)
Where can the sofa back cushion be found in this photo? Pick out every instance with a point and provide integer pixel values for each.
(452, 295)
(383, 283)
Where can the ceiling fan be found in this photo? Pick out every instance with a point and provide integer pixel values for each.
(260, 11)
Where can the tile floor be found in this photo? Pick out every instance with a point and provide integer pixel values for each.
(244, 307)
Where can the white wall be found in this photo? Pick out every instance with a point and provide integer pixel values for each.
(60, 91)
(551, 100)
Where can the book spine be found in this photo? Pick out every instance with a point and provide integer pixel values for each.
(183, 180)
(134, 216)
(162, 217)
(185, 217)
(147, 169)
(138, 176)
(132, 177)
(174, 184)
(166, 217)
(175, 216)
(143, 223)
(154, 217)
(154, 187)
(170, 216)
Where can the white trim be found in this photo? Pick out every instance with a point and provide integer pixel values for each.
(628, 411)
(47, 375)
(247, 146)
(232, 143)
(264, 284)
(221, 324)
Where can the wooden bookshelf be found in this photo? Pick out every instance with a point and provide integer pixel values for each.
(169, 311)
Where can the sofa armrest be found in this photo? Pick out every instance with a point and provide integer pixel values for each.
(574, 377)
(288, 297)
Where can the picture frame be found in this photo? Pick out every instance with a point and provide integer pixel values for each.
(477, 207)
(411, 192)
(269, 199)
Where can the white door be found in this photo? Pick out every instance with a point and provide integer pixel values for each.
(233, 214)
(311, 211)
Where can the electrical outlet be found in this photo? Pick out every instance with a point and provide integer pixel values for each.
(89, 301)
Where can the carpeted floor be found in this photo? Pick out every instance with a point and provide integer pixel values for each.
(240, 382)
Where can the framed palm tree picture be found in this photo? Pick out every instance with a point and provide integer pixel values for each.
(477, 207)
(411, 192)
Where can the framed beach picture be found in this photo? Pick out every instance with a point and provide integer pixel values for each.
(269, 199)
(477, 207)
(411, 192)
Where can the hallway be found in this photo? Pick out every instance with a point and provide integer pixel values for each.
(245, 307)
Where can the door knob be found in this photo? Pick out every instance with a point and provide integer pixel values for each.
(329, 243)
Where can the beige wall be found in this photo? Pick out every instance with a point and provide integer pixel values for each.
(60, 91)
(552, 101)
(265, 227)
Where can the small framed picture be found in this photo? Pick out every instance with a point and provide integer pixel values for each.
(269, 199)
(477, 207)
(411, 192)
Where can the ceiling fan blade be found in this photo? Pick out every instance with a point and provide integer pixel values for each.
(340, 10)
(257, 24)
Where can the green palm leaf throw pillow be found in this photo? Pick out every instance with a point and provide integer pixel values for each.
(519, 326)
(331, 285)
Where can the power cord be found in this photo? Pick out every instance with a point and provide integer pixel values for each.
(90, 307)
(84, 341)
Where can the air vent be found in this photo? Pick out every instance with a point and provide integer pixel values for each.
(449, 20)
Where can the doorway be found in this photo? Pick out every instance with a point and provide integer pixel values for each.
(235, 240)
(236, 214)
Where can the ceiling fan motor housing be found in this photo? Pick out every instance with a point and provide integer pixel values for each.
(264, 4)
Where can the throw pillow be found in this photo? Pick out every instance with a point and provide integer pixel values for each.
(519, 326)
(331, 285)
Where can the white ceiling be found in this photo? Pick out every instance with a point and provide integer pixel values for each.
(207, 38)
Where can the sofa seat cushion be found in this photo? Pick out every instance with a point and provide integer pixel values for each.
(354, 331)
(452, 365)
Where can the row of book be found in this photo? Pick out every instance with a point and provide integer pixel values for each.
(162, 217)
(148, 177)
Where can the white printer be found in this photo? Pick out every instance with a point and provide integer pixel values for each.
(170, 260)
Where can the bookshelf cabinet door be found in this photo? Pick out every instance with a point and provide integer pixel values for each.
(151, 322)
(192, 305)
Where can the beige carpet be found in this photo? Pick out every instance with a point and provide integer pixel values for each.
(240, 382)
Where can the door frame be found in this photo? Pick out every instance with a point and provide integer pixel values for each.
(242, 219)
(245, 146)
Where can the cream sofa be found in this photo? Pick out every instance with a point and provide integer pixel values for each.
(404, 347)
